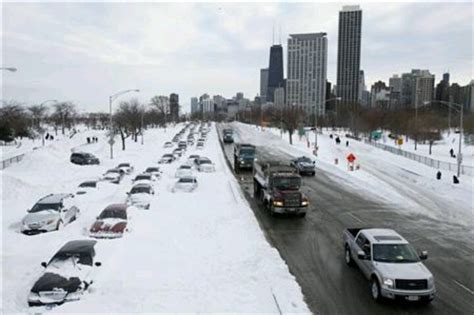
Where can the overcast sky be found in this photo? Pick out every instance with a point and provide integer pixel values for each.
(84, 52)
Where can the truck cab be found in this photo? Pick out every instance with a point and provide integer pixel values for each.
(391, 264)
(244, 156)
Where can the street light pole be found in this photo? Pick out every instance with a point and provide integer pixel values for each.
(111, 99)
(141, 127)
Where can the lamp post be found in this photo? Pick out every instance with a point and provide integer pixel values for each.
(141, 124)
(11, 69)
(459, 108)
(316, 121)
(111, 99)
(42, 134)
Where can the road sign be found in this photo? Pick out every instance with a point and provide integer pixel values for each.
(111, 141)
(351, 158)
(400, 141)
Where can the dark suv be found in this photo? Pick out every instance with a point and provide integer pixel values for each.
(83, 158)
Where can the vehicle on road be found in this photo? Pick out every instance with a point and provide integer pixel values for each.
(113, 178)
(278, 186)
(183, 171)
(169, 144)
(84, 158)
(111, 223)
(191, 160)
(87, 187)
(228, 136)
(154, 171)
(143, 178)
(304, 165)
(126, 167)
(167, 158)
(203, 164)
(244, 155)
(200, 145)
(178, 152)
(185, 184)
(50, 213)
(67, 275)
(391, 264)
(140, 195)
(183, 145)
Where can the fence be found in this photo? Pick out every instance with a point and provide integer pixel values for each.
(7, 162)
(441, 165)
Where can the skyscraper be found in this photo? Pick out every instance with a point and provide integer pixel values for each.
(307, 66)
(174, 106)
(395, 86)
(263, 84)
(442, 89)
(348, 53)
(194, 105)
(423, 87)
(275, 71)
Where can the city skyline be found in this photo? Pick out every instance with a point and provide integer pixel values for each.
(95, 56)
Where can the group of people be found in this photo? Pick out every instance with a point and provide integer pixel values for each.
(338, 140)
(49, 137)
(92, 140)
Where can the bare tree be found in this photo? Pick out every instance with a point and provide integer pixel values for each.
(14, 121)
(292, 116)
(63, 115)
(38, 114)
(128, 120)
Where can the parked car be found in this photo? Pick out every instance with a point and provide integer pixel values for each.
(140, 195)
(154, 171)
(126, 167)
(200, 145)
(191, 159)
(67, 275)
(185, 184)
(84, 158)
(144, 178)
(111, 223)
(178, 152)
(183, 171)
(113, 178)
(87, 187)
(168, 144)
(167, 158)
(50, 213)
(391, 264)
(203, 164)
(304, 165)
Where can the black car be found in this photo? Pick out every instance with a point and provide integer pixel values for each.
(66, 276)
(83, 158)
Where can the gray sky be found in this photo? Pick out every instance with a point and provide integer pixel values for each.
(84, 52)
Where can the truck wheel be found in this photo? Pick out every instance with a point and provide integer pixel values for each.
(375, 290)
(348, 256)
(302, 214)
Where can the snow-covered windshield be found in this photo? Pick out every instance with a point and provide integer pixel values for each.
(205, 162)
(143, 177)
(395, 253)
(112, 213)
(305, 159)
(152, 169)
(70, 266)
(88, 184)
(45, 206)
(140, 190)
(186, 180)
(287, 183)
(185, 167)
(124, 165)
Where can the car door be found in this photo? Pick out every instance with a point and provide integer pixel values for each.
(363, 244)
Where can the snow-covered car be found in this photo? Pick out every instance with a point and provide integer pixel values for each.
(167, 158)
(178, 153)
(191, 159)
(185, 184)
(113, 178)
(144, 178)
(126, 167)
(154, 171)
(200, 145)
(111, 223)
(66, 276)
(205, 165)
(183, 171)
(50, 213)
(168, 144)
(86, 187)
(304, 165)
(84, 158)
(140, 196)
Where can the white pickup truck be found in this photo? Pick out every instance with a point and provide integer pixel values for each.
(390, 263)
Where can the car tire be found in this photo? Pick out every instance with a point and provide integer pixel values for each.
(60, 225)
(375, 290)
(348, 256)
(313, 174)
(302, 214)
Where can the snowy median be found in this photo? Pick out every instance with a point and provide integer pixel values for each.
(190, 252)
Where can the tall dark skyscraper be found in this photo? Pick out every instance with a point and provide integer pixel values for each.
(348, 53)
(275, 71)
(174, 106)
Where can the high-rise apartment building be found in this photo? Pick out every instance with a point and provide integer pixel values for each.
(395, 86)
(423, 88)
(307, 71)
(263, 84)
(174, 106)
(275, 71)
(279, 97)
(348, 53)
(194, 105)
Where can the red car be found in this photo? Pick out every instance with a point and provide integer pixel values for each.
(111, 223)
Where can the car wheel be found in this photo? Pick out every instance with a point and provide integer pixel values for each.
(375, 289)
(60, 225)
(348, 256)
(314, 173)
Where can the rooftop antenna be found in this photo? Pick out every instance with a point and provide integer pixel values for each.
(273, 34)
(279, 37)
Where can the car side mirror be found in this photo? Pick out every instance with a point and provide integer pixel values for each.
(424, 255)
(97, 217)
(314, 162)
(362, 256)
(98, 264)
(43, 264)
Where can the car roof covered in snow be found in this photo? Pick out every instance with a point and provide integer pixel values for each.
(78, 246)
(54, 198)
(142, 185)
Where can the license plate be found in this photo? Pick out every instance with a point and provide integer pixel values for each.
(413, 298)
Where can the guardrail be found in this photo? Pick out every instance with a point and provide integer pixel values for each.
(7, 162)
(441, 165)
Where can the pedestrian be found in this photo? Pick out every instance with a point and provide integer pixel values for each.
(330, 136)
(347, 143)
(438, 175)
(451, 152)
(51, 137)
(455, 179)
(88, 140)
(338, 140)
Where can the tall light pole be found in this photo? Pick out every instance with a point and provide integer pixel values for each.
(460, 109)
(141, 125)
(316, 120)
(11, 69)
(111, 99)
(42, 134)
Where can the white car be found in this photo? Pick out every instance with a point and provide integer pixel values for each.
(154, 171)
(168, 144)
(185, 184)
(190, 160)
(126, 167)
(205, 165)
(167, 158)
(143, 179)
(50, 213)
(200, 145)
(87, 187)
(140, 196)
(184, 171)
(113, 178)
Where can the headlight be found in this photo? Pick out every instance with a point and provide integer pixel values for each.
(304, 203)
(242, 162)
(278, 203)
(33, 296)
(430, 282)
(388, 282)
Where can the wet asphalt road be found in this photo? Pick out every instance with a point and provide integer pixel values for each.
(313, 250)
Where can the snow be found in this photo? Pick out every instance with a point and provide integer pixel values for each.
(383, 176)
(196, 252)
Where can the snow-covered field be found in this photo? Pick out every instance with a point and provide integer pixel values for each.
(191, 252)
(410, 185)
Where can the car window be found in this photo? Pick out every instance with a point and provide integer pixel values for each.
(88, 184)
(45, 206)
(113, 213)
(139, 190)
(187, 180)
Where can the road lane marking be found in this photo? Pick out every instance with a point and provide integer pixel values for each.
(464, 287)
(355, 217)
